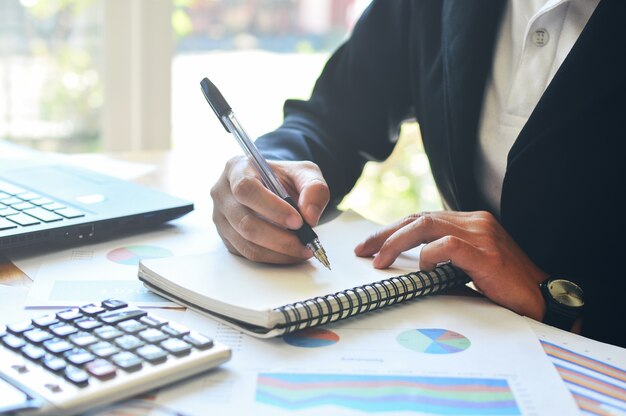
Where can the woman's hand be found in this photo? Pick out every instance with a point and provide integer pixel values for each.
(254, 223)
(476, 243)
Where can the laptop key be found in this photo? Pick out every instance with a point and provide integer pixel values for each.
(6, 225)
(41, 201)
(11, 189)
(29, 196)
(69, 212)
(22, 206)
(53, 206)
(23, 219)
(5, 212)
(12, 201)
(43, 214)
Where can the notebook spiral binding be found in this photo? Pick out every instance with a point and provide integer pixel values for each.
(341, 305)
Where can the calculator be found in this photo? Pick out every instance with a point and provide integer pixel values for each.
(82, 358)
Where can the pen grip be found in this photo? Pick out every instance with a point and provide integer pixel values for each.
(304, 233)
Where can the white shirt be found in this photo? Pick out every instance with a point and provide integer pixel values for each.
(535, 37)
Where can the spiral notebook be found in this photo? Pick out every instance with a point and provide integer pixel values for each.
(268, 300)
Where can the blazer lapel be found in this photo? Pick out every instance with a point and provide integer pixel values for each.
(469, 32)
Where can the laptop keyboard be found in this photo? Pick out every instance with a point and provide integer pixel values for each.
(22, 208)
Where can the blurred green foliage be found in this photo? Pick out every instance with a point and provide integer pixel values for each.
(399, 186)
(71, 94)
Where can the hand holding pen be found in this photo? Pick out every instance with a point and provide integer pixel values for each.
(245, 233)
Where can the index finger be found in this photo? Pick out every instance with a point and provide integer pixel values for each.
(248, 190)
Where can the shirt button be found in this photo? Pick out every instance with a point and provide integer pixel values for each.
(541, 37)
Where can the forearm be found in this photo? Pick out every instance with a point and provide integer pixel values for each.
(357, 105)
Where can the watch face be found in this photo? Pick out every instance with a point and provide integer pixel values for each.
(566, 293)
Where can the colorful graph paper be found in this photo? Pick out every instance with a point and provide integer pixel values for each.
(379, 393)
(598, 388)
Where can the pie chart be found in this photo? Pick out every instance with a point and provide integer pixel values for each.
(433, 341)
(130, 255)
(312, 338)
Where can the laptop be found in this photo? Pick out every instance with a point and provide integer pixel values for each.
(46, 201)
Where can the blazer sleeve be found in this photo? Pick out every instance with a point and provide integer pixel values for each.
(357, 104)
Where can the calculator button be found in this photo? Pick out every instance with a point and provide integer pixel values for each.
(33, 352)
(127, 361)
(152, 335)
(114, 317)
(104, 349)
(69, 315)
(132, 326)
(152, 354)
(46, 320)
(108, 332)
(83, 339)
(57, 346)
(198, 340)
(19, 327)
(77, 376)
(87, 323)
(13, 342)
(176, 347)
(92, 309)
(79, 356)
(153, 321)
(112, 304)
(54, 363)
(63, 330)
(175, 330)
(101, 369)
(37, 335)
(129, 342)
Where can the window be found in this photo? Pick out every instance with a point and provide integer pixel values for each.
(50, 73)
(262, 52)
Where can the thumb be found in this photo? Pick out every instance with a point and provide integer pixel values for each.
(313, 192)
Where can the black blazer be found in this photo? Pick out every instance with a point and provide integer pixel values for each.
(563, 195)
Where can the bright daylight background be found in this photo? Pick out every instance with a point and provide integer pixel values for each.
(259, 53)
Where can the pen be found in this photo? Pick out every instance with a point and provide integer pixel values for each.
(225, 114)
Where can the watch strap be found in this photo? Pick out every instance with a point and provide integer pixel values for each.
(558, 317)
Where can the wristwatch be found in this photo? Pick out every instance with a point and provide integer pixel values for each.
(564, 302)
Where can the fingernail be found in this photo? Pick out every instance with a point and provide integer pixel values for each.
(306, 253)
(294, 221)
